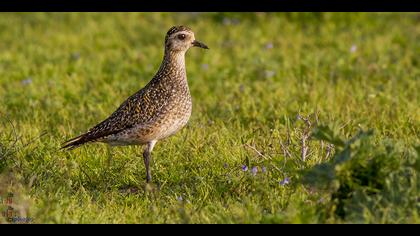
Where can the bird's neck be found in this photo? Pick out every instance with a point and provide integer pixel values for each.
(173, 66)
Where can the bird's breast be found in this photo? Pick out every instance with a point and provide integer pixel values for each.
(176, 117)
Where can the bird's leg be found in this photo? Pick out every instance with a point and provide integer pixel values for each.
(108, 171)
(147, 156)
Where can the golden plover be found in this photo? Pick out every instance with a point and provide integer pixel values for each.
(156, 111)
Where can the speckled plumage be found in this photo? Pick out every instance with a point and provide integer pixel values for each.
(156, 111)
(163, 103)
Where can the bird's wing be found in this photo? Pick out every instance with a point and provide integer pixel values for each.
(137, 109)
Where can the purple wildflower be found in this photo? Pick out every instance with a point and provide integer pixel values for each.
(244, 167)
(179, 198)
(269, 46)
(254, 170)
(263, 169)
(226, 21)
(285, 181)
(353, 48)
(27, 81)
(205, 66)
(225, 165)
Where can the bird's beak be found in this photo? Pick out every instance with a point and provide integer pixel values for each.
(196, 43)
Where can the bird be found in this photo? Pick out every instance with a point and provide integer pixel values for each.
(158, 110)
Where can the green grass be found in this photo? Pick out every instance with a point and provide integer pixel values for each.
(61, 73)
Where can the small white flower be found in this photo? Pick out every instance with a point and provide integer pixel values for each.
(269, 73)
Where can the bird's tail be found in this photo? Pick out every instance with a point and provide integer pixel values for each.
(74, 142)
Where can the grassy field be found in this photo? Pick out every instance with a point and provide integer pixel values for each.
(297, 118)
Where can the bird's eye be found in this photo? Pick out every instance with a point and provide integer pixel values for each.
(181, 36)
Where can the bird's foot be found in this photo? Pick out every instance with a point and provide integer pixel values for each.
(150, 187)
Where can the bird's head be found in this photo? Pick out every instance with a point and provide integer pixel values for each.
(180, 39)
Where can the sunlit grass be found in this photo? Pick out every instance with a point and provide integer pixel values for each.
(61, 73)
